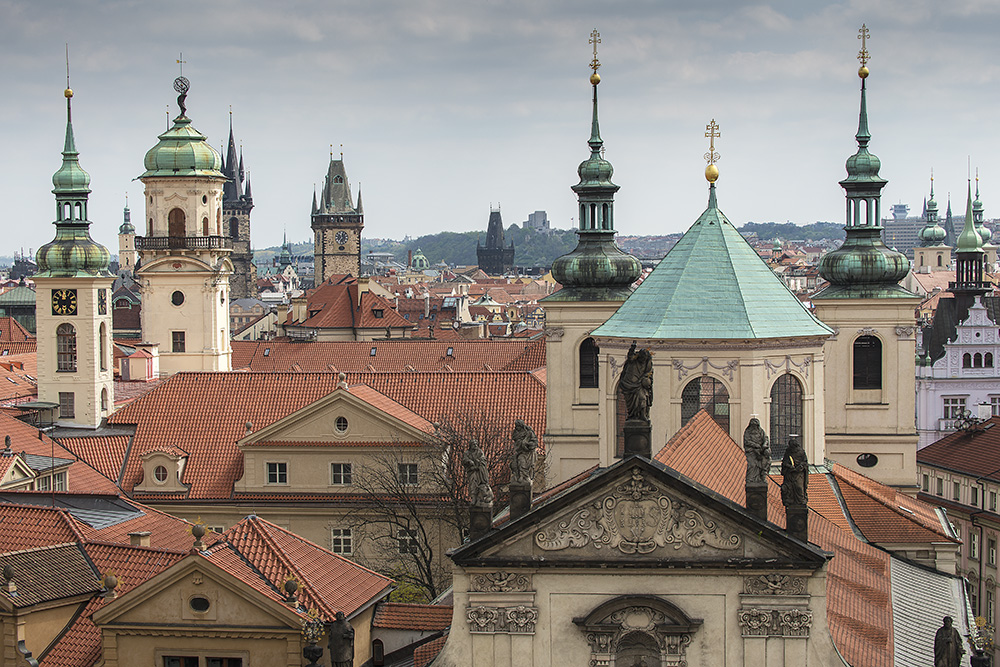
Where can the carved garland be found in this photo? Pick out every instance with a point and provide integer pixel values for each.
(501, 582)
(774, 584)
(518, 620)
(727, 368)
(636, 519)
(775, 622)
(787, 366)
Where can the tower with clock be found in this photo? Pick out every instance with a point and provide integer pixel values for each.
(185, 261)
(73, 286)
(337, 225)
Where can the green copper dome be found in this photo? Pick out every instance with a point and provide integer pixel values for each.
(72, 252)
(932, 234)
(969, 240)
(863, 267)
(182, 151)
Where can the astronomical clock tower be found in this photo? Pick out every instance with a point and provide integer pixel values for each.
(337, 226)
(185, 266)
(73, 288)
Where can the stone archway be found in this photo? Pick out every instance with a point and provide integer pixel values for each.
(638, 630)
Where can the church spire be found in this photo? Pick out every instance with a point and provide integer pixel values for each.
(969, 255)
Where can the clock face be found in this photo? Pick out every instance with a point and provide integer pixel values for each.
(341, 237)
(64, 302)
(102, 302)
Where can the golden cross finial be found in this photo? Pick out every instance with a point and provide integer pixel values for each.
(67, 65)
(341, 152)
(595, 39)
(331, 151)
(603, 150)
(711, 132)
(863, 54)
(181, 61)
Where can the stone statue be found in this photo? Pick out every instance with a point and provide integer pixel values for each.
(341, 643)
(522, 462)
(477, 475)
(758, 452)
(636, 383)
(948, 648)
(795, 475)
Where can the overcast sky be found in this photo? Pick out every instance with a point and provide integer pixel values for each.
(446, 106)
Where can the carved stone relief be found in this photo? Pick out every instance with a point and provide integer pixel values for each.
(727, 369)
(506, 620)
(774, 584)
(555, 333)
(501, 582)
(775, 622)
(867, 331)
(636, 519)
(786, 367)
(905, 332)
(624, 623)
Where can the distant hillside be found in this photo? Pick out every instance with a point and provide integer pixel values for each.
(530, 247)
(789, 231)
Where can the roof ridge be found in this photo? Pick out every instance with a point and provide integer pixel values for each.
(47, 547)
(737, 275)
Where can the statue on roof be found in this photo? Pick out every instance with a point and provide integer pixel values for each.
(948, 648)
(522, 462)
(341, 641)
(795, 475)
(636, 383)
(758, 452)
(477, 476)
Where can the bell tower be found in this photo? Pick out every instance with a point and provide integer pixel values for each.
(337, 225)
(185, 266)
(73, 291)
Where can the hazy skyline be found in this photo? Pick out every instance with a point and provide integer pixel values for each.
(446, 107)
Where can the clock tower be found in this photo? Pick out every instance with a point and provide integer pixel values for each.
(73, 288)
(337, 226)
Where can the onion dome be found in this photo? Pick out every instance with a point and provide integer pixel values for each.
(977, 215)
(72, 252)
(127, 227)
(863, 267)
(969, 257)
(182, 151)
(597, 269)
(932, 234)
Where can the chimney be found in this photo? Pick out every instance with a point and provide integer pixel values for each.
(427, 305)
(985, 411)
(139, 539)
(409, 258)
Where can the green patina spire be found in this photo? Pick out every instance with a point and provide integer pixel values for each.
(969, 240)
(932, 234)
(863, 267)
(72, 252)
(977, 215)
(969, 256)
(597, 269)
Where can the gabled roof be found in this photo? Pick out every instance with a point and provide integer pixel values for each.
(400, 616)
(12, 331)
(47, 573)
(711, 285)
(336, 305)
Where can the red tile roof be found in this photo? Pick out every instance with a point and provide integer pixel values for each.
(11, 331)
(27, 527)
(18, 377)
(10, 348)
(390, 355)
(336, 305)
(397, 615)
(423, 654)
(174, 412)
(105, 453)
(974, 453)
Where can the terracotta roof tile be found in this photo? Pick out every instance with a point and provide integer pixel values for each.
(28, 527)
(8, 348)
(397, 615)
(11, 331)
(18, 377)
(105, 453)
(423, 654)
(49, 573)
(974, 453)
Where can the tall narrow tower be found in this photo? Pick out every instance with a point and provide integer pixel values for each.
(933, 252)
(870, 378)
(127, 256)
(185, 266)
(73, 291)
(337, 226)
(495, 258)
(237, 202)
(596, 278)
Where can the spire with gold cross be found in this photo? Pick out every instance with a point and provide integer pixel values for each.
(712, 133)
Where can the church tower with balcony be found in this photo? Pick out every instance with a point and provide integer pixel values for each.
(237, 202)
(185, 264)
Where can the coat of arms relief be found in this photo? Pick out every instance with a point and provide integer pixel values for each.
(636, 518)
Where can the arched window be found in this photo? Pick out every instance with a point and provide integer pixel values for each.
(588, 363)
(868, 363)
(706, 393)
(175, 222)
(66, 348)
(939, 260)
(204, 226)
(104, 346)
(338, 179)
(966, 360)
(977, 360)
(104, 400)
(988, 360)
(786, 412)
(234, 227)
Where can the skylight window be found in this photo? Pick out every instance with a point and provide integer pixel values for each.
(372, 353)
(450, 352)
(267, 352)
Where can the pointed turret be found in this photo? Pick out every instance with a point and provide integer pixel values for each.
(597, 269)
(126, 226)
(361, 208)
(863, 267)
(969, 256)
(247, 194)
(932, 233)
(949, 226)
(314, 207)
(977, 215)
(233, 189)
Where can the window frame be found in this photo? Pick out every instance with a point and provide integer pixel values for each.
(345, 474)
(342, 541)
(66, 352)
(278, 473)
(407, 474)
(406, 541)
(178, 342)
(867, 363)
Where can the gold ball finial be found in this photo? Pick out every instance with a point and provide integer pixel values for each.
(863, 72)
(711, 173)
(68, 93)
(595, 78)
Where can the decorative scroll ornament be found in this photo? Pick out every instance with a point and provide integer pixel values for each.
(905, 332)
(636, 519)
(775, 622)
(774, 584)
(519, 620)
(787, 366)
(867, 331)
(728, 368)
(501, 582)
(555, 333)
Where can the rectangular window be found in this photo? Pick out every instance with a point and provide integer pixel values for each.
(974, 496)
(277, 473)
(995, 405)
(407, 541)
(44, 484)
(991, 551)
(940, 486)
(993, 501)
(67, 405)
(340, 473)
(954, 407)
(974, 546)
(956, 490)
(408, 474)
(990, 604)
(177, 340)
(180, 661)
(926, 486)
(341, 541)
(59, 480)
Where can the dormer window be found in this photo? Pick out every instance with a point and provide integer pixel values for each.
(378, 313)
